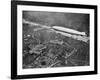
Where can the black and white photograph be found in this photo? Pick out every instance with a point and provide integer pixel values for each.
(54, 39)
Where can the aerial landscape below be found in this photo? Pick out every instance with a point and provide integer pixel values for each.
(54, 39)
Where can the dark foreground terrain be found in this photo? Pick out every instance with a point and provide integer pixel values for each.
(45, 48)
